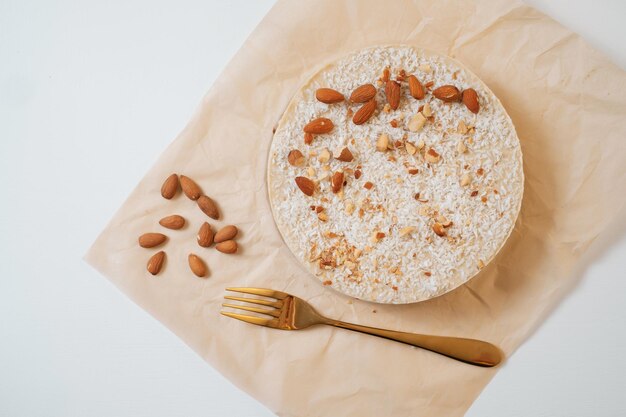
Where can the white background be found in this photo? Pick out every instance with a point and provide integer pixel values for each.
(90, 94)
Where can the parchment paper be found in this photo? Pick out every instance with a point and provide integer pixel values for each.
(568, 105)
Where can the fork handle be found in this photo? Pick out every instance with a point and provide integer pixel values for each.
(472, 351)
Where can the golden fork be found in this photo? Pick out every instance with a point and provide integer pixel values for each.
(292, 313)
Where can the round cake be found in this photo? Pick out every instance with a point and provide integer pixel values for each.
(395, 175)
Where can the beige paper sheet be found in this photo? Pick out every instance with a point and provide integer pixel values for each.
(568, 105)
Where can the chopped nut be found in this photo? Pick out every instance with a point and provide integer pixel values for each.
(432, 156)
(465, 180)
(439, 229)
(417, 122)
(357, 174)
(327, 282)
(310, 171)
(480, 171)
(420, 145)
(387, 108)
(474, 193)
(394, 123)
(462, 128)
(324, 155)
(414, 171)
(382, 143)
(376, 237)
(444, 222)
(308, 138)
(426, 68)
(481, 264)
(483, 199)
(345, 155)
(336, 182)
(407, 230)
(426, 110)
(368, 185)
(461, 148)
(379, 83)
(410, 148)
(319, 209)
(349, 207)
(295, 158)
(322, 216)
(386, 74)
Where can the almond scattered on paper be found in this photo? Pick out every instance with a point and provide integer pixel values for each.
(208, 206)
(228, 247)
(155, 263)
(205, 236)
(197, 265)
(151, 240)
(170, 187)
(190, 188)
(174, 222)
(226, 233)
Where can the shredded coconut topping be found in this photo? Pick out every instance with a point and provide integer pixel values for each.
(422, 210)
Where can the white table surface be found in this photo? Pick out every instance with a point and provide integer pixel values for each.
(90, 94)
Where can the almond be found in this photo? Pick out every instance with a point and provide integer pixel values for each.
(410, 148)
(447, 93)
(328, 95)
(336, 182)
(173, 222)
(382, 143)
(226, 233)
(432, 156)
(205, 235)
(439, 229)
(417, 122)
(363, 93)
(345, 155)
(365, 112)
(208, 207)
(416, 89)
(228, 246)
(197, 265)
(386, 75)
(305, 185)
(295, 158)
(155, 263)
(470, 99)
(392, 91)
(170, 186)
(150, 240)
(190, 188)
(319, 126)
(308, 138)
(324, 155)
(427, 111)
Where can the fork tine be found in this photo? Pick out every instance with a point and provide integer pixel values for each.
(264, 292)
(251, 319)
(277, 304)
(272, 312)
